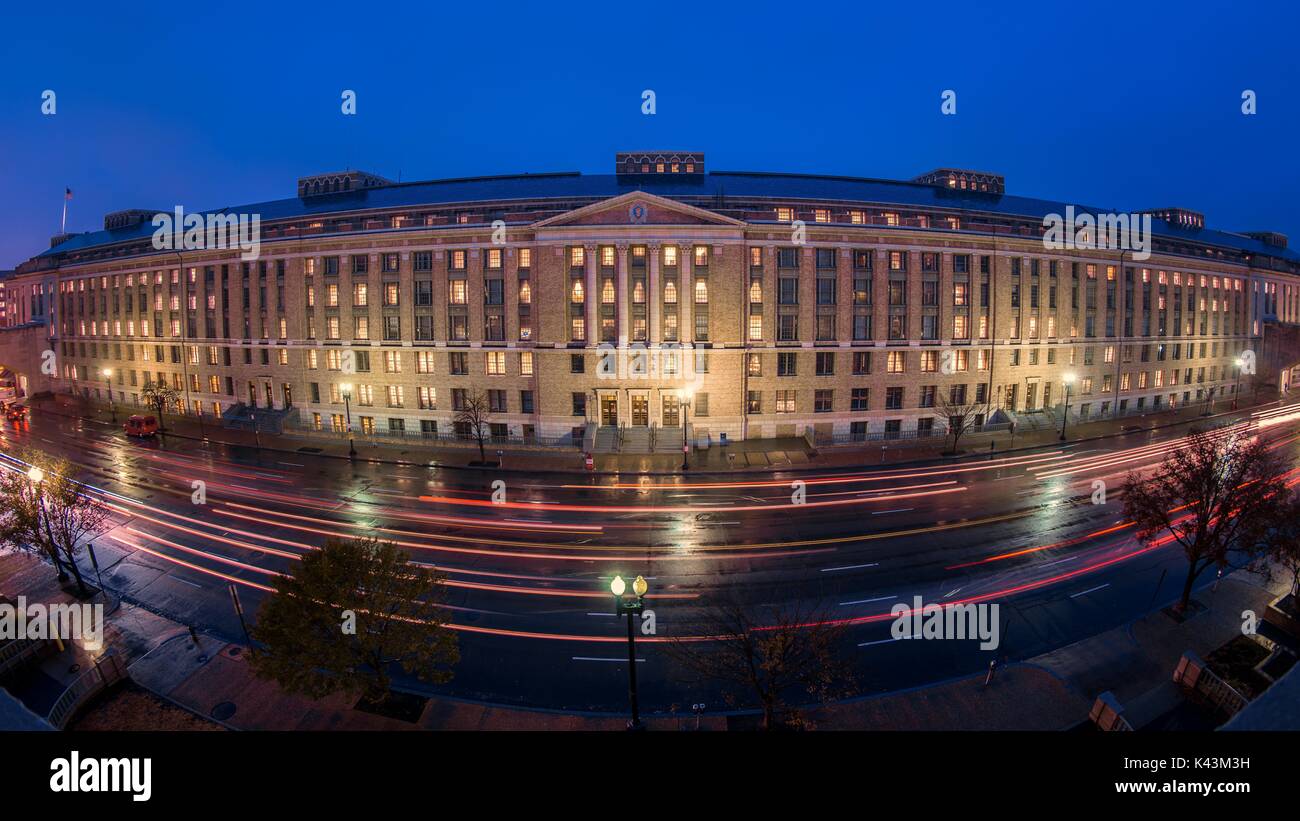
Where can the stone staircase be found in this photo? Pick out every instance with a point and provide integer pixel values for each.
(636, 439)
(668, 440)
(606, 439)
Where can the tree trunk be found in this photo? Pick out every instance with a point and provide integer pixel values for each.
(482, 456)
(1187, 588)
(76, 572)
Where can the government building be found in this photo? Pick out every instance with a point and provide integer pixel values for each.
(608, 310)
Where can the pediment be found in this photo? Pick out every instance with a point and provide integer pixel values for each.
(637, 208)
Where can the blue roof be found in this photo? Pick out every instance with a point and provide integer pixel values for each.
(745, 185)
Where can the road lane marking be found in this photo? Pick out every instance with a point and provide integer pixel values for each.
(895, 510)
(867, 601)
(881, 641)
(849, 567)
(1060, 561)
(595, 658)
(1090, 590)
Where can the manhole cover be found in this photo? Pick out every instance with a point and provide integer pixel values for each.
(234, 651)
(223, 711)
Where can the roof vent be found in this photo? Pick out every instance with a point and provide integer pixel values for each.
(339, 183)
(1179, 217)
(1269, 238)
(963, 179)
(127, 218)
(688, 164)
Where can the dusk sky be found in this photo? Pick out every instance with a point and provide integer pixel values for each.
(211, 105)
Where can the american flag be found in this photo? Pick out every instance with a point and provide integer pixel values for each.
(67, 193)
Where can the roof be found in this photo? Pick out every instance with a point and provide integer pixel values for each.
(747, 185)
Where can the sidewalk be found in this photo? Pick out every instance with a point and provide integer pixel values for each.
(750, 456)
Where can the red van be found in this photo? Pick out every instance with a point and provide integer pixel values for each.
(141, 426)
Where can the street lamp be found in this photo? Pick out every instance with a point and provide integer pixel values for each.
(630, 605)
(684, 402)
(1236, 390)
(36, 476)
(1068, 378)
(346, 388)
(108, 377)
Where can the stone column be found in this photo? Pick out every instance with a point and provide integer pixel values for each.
(685, 294)
(653, 295)
(591, 301)
(622, 297)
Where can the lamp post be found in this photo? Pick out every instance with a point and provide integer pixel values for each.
(1068, 378)
(630, 605)
(684, 402)
(346, 388)
(36, 476)
(1236, 389)
(108, 377)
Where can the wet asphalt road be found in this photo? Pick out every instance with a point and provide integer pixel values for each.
(528, 579)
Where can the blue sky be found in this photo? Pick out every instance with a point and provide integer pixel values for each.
(1118, 106)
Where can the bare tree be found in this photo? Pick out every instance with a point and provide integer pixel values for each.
(1284, 547)
(53, 515)
(160, 395)
(768, 653)
(1219, 495)
(347, 615)
(472, 416)
(959, 414)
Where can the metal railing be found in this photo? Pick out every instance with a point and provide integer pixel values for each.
(108, 670)
(431, 438)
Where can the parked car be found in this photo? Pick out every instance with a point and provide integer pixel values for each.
(141, 426)
(15, 411)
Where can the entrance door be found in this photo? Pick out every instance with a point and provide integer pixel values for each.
(671, 417)
(640, 411)
(609, 410)
(287, 390)
(270, 395)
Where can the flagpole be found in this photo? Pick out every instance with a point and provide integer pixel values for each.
(63, 226)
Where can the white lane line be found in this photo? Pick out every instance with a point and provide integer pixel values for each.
(1059, 561)
(593, 658)
(602, 614)
(867, 601)
(187, 581)
(849, 567)
(1090, 590)
(882, 641)
(895, 510)
(952, 593)
(293, 464)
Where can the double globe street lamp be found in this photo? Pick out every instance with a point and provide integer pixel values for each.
(630, 605)
(107, 373)
(346, 389)
(1068, 377)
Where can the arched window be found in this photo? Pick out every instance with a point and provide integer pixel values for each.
(670, 293)
(607, 292)
(701, 291)
(525, 293)
(756, 291)
(578, 291)
(638, 292)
